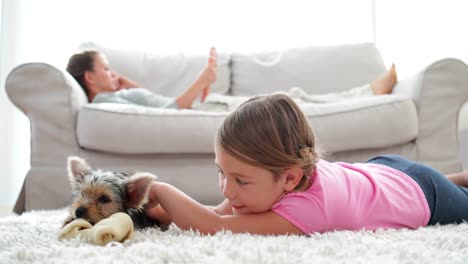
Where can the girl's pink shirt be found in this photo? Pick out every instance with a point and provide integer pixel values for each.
(355, 196)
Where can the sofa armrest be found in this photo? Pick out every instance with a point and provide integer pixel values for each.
(51, 99)
(439, 92)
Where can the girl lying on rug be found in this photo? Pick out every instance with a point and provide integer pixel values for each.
(274, 182)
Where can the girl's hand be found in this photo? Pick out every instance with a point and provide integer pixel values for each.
(152, 197)
(141, 190)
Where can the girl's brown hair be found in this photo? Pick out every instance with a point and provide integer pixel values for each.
(271, 132)
(79, 63)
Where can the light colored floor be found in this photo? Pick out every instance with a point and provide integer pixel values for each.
(6, 210)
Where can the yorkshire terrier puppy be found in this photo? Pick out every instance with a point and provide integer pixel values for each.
(100, 193)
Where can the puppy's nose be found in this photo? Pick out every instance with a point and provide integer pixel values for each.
(80, 212)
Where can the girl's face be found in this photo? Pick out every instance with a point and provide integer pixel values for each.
(248, 188)
(103, 78)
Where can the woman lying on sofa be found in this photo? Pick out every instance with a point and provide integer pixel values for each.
(103, 85)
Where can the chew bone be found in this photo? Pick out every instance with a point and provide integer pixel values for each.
(118, 227)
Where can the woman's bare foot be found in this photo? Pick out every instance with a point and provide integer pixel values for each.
(212, 63)
(385, 83)
(201, 85)
(460, 178)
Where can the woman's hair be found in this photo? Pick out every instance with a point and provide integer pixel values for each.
(79, 63)
(270, 132)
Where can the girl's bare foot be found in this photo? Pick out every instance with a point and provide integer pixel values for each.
(460, 178)
(385, 83)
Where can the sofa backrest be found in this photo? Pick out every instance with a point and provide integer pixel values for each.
(167, 74)
(314, 69)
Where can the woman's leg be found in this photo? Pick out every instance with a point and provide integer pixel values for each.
(201, 85)
(447, 201)
(385, 83)
(382, 85)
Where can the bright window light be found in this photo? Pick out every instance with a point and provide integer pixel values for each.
(52, 29)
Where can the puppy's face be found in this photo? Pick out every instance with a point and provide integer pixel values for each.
(99, 193)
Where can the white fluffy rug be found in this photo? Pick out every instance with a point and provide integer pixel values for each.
(32, 238)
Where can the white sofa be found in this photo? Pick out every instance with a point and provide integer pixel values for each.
(419, 120)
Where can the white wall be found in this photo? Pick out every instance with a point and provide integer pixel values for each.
(14, 126)
(241, 25)
(415, 33)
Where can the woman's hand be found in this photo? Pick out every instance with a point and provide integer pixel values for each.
(126, 83)
(153, 209)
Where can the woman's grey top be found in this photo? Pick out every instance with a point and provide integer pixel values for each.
(136, 96)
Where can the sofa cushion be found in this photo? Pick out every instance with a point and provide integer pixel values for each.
(166, 74)
(314, 69)
(369, 122)
(364, 123)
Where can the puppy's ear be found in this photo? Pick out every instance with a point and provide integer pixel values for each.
(76, 168)
(138, 187)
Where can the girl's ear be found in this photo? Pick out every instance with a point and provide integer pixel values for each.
(292, 178)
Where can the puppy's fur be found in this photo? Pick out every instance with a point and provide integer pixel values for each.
(100, 193)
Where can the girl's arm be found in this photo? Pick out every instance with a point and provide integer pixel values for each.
(157, 212)
(186, 213)
(224, 208)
